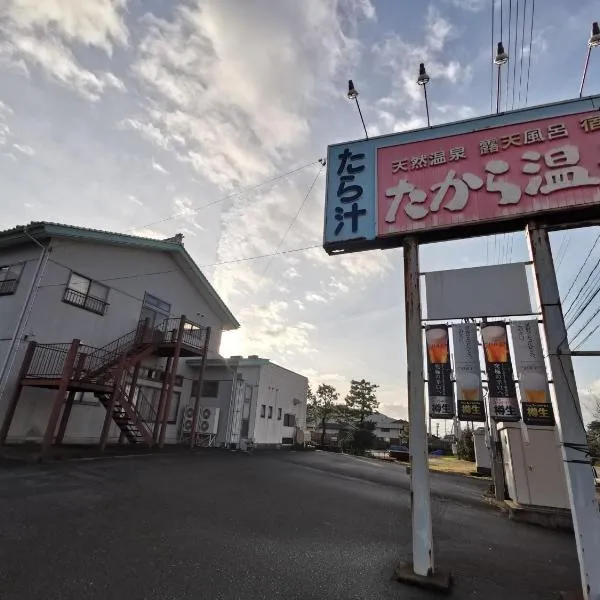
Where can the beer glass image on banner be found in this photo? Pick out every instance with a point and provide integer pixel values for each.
(467, 369)
(502, 398)
(439, 385)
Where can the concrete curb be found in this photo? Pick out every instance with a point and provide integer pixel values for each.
(549, 518)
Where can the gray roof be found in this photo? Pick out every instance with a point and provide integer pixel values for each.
(44, 230)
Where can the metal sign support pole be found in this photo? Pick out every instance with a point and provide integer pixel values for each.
(419, 468)
(571, 430)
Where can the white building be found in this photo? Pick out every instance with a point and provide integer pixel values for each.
(257, 400)
(80, 295)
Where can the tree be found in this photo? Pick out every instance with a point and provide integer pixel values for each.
(324, 406)
(465, 448)
(311, 417)
(593, 438)
(361, 398)
(364, 437)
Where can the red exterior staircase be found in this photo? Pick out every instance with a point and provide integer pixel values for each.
(109, 372)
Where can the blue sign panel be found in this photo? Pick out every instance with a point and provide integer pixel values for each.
(350, 206)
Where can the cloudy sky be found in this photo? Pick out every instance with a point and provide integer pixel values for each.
(162, 117)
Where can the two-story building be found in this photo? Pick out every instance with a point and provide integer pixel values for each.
(95, 328)
(258, 400)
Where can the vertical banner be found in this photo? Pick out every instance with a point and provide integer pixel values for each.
(503, 404)
(531, 372)
(467, 371)
(439, 384)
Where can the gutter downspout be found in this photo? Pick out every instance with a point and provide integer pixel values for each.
(16, 340)
(230, 412)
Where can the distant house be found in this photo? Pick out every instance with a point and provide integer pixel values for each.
(389, 430)
(95, 330)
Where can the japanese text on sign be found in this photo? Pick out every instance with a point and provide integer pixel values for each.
(477, 177)
(349, 193)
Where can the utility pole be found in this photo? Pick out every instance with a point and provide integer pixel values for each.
(421, 571)
(423, 563)
(567, 410)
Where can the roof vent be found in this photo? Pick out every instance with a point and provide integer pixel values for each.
(176, 239)
(253, 356)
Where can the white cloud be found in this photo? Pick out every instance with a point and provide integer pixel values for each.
(470, 5)
(147, 130)
(113, 81)
(135, 200)
(40, 33)
(57, 60)
(335, 286)
(312, 297)
(5, 112)
(356, 268)
(96, 23)
(400, 57)
(157, 167)
(291, 273)
(267, 330)
(24, 149)
(316, 378)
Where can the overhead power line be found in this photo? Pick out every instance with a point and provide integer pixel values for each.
(492, 60)
(522, 51)
(581, 268)
(239, 192)
(509, 52)
(578, 300)
(238, 260)
(530, 47)
(294, 219)
(514, 80)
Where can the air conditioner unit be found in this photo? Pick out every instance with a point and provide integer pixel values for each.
(208, 420)
(187, 420)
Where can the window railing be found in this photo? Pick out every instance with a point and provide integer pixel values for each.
(8, 286)
(194, 335)
(85, 301)
(48, 360)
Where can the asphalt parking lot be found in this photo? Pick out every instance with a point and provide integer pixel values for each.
(220, 525)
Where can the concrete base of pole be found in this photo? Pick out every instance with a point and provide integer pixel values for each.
(440, 581)
(570, 596)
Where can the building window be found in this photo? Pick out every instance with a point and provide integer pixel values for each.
(210, 389)
(159, 375)
(263, 410)
(385, 429)
(155, 310)
(270, 412)
(286, 441)
(289, 420)
(279, 411)
(86, 293)
(147, 403)
(9, 278)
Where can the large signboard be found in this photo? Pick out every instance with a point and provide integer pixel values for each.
(439, 380)
(531, 372)
(492, 291)
(469, 178)
(502, 398)
(467, 372)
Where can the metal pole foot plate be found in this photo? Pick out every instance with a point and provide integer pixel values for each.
(440, 581)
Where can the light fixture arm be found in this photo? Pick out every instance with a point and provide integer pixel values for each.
(361, 117)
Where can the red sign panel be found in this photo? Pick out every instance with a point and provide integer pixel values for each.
(489, 175)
